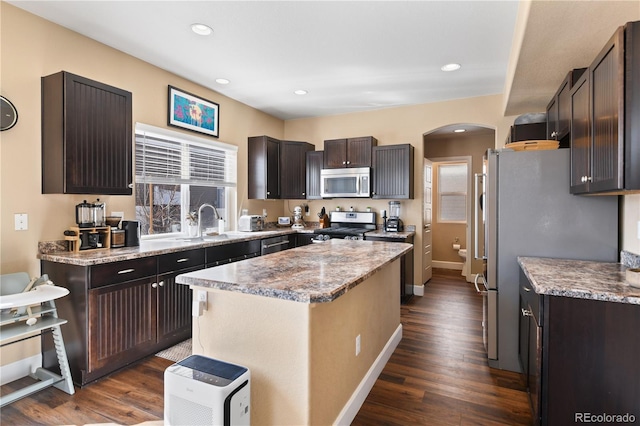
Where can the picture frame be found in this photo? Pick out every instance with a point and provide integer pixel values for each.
(191, 112)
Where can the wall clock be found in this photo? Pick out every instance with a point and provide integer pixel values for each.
(8, 114)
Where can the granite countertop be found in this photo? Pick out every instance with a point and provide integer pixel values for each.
(315, 273)
(580, 279)
(385, 234)
(157, 247)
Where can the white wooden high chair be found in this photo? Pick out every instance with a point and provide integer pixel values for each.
(27, 310)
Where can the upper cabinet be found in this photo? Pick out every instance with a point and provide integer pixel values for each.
(293, 171)
(351, 152)
(86, 137)
(315, 161)
(607, 159)
(559, 110)
(276, 169)
(264, 167)
(392, 171)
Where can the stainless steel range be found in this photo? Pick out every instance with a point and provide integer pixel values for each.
(348, 226)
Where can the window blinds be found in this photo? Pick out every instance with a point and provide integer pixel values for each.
(172, 158)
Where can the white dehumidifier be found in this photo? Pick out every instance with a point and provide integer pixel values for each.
(204, 391)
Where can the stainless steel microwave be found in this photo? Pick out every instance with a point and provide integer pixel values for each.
(345, 183)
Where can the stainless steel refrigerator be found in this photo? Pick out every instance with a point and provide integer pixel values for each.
(528, 211)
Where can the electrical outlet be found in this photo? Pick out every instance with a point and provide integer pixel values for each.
(639, 229)
(357, 345)
(22, 222)
(202, 296)
(264, 212)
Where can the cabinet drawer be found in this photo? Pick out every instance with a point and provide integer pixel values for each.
(180, 260)
(217, 255)
(119, 272)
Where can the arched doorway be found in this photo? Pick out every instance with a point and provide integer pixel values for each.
(452, 158)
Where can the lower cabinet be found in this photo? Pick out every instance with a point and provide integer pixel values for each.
(406, 266)
(303, 239)
(579, 357)
(227, 253)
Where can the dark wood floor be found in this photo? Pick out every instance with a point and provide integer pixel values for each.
(438, 375)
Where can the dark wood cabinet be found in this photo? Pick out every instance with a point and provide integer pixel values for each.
(315, 161)
(122, 324)
(227, 253)
(264, 168)
(351, 152)
(580, 135)
(581, 357)
(392, 171)
(277, 169)
(406, 265)
(293, 160)
(611, 163)
(559, 110)
(86, 137)
(303, 239)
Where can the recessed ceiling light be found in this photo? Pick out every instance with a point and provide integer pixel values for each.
(222, 81)
(300, 92)
(201, 29)
(459, 130)
(450, 67)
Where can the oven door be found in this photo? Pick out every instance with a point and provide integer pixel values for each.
(345, 183)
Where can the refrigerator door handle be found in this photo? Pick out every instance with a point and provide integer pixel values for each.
(476, 220)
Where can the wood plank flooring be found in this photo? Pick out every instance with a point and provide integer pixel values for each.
(438, 375)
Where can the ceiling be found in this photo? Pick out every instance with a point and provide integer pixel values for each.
(353, 56)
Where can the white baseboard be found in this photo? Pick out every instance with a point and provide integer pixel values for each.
(442, 264)
(418, 290)
(352, 407)
(19, 369)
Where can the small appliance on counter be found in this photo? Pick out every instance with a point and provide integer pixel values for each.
(99, 212)
(250, 223)
(131, 233)
(298, 223)
(117, 234)
(84, 215)
(394, 223)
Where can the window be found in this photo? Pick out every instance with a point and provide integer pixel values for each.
(452, 192)
(176, 174)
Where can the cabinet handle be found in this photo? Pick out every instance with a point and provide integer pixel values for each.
(154, 285)
(268, 193)
(526, 288)
(161, 283)
(344, 162)
(526, 312)
(126, 271)
(130, 185)
(348, 162)
(304, 193)
(184, 259)
(554, 134)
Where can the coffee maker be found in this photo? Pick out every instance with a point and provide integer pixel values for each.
(394, 223)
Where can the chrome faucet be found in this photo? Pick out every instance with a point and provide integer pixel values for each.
(215, 216)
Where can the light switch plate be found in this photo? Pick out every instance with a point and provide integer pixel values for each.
(22, 221)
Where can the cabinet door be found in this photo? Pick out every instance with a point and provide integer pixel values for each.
(564, 109)
(335, 154)
(552, 119)
(263, 168)
(174, 308)
(359, 151)
(580, 136)
(293, 174)
(523, 340)
(122, 323)
(392, 171)
(314, 166)
(86, 136)
(607, 116)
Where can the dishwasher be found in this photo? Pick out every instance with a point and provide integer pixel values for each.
(274, 244)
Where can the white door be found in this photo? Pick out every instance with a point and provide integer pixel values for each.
(427, 214)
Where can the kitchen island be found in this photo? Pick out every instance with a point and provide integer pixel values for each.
(315, 325)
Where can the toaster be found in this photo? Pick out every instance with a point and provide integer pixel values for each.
(250, 222)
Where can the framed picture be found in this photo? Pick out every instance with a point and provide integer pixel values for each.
(194, 113)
